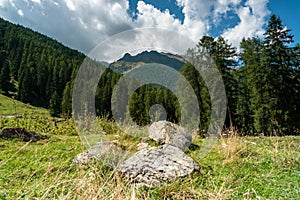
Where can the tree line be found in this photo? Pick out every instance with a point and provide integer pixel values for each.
(262, 80)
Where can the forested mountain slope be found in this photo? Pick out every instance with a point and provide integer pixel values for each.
(34, 67)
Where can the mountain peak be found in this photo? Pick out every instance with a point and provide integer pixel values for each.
(128, 61)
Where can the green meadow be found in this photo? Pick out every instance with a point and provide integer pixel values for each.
(236, 168)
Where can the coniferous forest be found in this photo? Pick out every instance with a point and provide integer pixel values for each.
(262, 80)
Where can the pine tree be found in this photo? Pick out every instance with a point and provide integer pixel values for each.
(136, 109)
(201, 91)
(66, 104)
(5, 75)
(295, 99)
(277, 74)
(224, 56)
(27, 86)
(55, 105)
(249, 81)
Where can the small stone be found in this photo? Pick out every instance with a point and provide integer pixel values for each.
(109, 153)
(166, 132)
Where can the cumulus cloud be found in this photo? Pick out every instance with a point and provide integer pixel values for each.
(252, 20)
(82, 24)
(136, 40)
(223, 6)
(149, 16)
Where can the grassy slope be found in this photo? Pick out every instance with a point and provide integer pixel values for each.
(10, 106)
(237, 168)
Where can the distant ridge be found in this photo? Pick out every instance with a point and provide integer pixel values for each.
(128, 62)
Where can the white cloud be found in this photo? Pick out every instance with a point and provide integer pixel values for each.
(252, 20)
(252, 15)
(195, 9)
(259, 8)
(149, 16)
(82, 24)
(107, 16)
(137, 40)
(223, 6)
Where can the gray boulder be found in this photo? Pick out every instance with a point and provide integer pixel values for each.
(166, 132)
(151, 166)
(108, 153)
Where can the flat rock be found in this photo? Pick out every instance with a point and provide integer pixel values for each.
(152, 165)
(22, 133)
(166, 132)
(109, 153)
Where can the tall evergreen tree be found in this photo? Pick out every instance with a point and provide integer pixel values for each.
(224, 56)
(27, 91)
(66, 104)
(201, 91)
(137, 109)
(5, 75)
(295, 99)
(277, 76)
(249, 83)
(55, 105)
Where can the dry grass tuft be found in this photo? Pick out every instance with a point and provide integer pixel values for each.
(231, 145)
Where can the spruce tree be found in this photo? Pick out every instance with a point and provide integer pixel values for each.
(55, 105)
(5, 75)
(249, 82)
(27, 86)
(66, 104)
(136, 109)
(224, 56)
(277, 75)
(295, 99)
(201, 91)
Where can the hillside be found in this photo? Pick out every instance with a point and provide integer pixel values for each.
(12, 107)
(34, 67)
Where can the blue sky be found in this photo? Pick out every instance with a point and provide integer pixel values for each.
(288, 11)
(82, 24)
